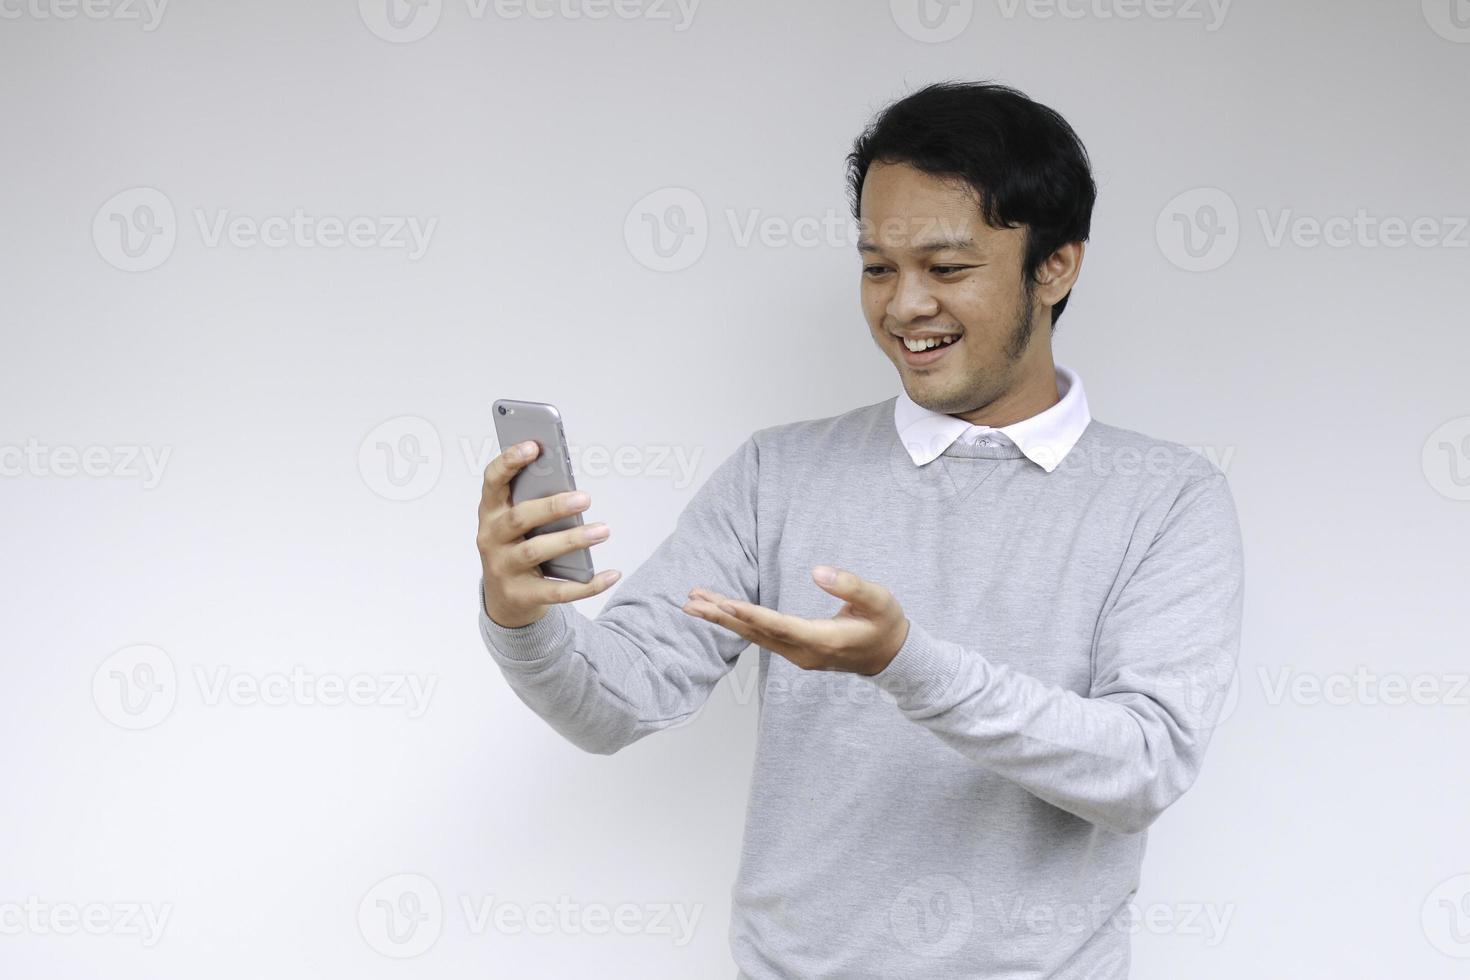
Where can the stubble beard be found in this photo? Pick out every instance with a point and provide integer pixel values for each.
(990, 388)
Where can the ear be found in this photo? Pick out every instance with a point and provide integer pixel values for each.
(1056, 275)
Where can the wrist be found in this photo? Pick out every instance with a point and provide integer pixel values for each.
(891, 651)
(509, 619)
(515, 620)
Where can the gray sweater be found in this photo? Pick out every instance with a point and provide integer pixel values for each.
(978, 808)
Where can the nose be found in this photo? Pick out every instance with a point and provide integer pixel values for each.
(911, 300)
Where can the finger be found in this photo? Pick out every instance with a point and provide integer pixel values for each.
(771, 625)
(535, 550)
(526, 516)
(550, 591)
(869, 597)
(791, 631)
(800, 656)
(709, 611)
(495, 491)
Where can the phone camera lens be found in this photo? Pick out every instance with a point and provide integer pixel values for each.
(502, 409)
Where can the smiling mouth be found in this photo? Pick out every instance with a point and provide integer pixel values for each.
(928, 343)
(933, 349)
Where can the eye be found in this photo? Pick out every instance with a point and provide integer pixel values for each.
(874, 270)
(950, 270)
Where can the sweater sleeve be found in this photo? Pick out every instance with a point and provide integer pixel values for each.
(642, 664)
(1164, 656)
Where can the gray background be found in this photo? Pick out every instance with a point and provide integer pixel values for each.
(325, 414)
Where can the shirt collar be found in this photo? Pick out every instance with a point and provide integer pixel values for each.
(1044, 438)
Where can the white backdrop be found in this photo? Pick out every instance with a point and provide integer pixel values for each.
(267, 265)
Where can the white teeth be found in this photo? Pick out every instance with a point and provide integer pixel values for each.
(918, 345)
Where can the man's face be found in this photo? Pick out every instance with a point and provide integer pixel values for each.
(931, 265)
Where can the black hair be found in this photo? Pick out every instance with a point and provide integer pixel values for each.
(1025, 163)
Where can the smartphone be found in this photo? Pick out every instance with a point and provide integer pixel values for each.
(549, 473)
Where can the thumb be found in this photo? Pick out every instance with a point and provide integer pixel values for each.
(840, 583)
(869, 597)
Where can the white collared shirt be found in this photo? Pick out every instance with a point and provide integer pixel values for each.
(1044, 438)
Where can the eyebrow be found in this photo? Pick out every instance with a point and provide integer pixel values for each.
(938, 245)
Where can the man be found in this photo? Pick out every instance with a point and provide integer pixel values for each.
(994, 633)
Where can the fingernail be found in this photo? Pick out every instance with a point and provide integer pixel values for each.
(824, 575)
(525, 449)
(578, 500)
(596, 532)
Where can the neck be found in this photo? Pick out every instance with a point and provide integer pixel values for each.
(1033, 391)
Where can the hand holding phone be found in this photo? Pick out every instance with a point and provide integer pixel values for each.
(531, 531)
